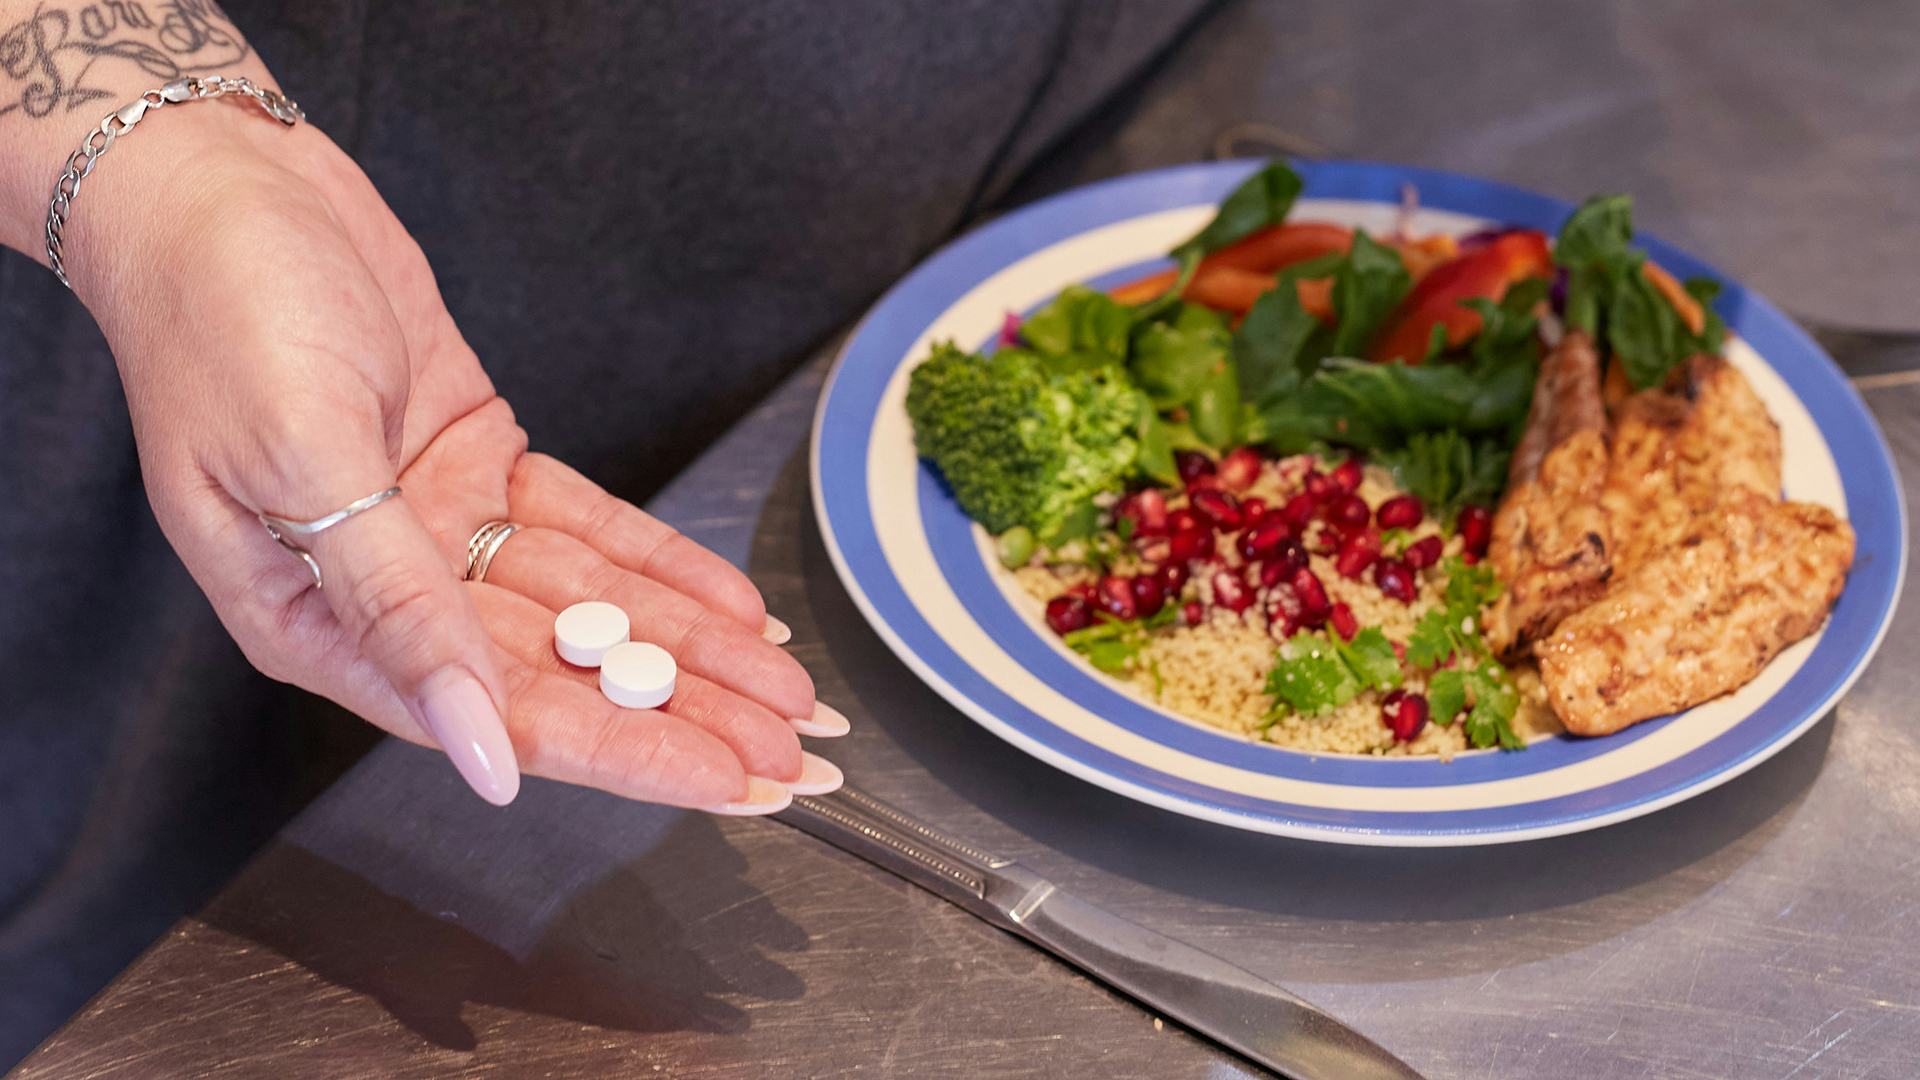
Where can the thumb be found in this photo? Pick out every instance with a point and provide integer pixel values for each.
(388, 583)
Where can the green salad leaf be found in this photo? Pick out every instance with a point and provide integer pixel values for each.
(1490, 699)
(1262, 200)
(1112, 644)
(1079, 329)
(1188, 364)
(1371, 658)
(1448, 470)
(1610, 297)
(1310, 675)
(1369, 283)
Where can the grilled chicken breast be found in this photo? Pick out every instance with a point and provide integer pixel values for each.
(1700, 617)
(1551, 535)
(1678, 450)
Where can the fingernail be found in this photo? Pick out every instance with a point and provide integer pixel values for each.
(817, 776)
(826, 722)
(459, 712)
(764, 796)
(776, 631)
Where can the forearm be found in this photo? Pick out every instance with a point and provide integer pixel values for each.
(65, 64)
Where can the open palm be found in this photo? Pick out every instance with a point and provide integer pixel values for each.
(285, 349)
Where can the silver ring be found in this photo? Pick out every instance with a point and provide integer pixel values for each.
(282, 529)
(484, 545)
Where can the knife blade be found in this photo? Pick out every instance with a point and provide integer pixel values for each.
(1226, 1003)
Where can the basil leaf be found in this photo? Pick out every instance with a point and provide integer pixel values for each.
(1261, 201)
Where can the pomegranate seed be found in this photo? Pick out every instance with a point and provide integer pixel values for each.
(1423, 554)
(1179, 521)
(1115, 597)
(1313, 595)
(1240, 469)
(1405, 713)
(1285, 561)
(1191, 614)
(1262, 540)
(1253, 508)
(1147, 510)
(1191, 463)
(1218, 507)
(1172, 578)
(1084, 591)
(1394, 579)
(1357, 553)
(1348, 475)
(1284, 609)
(1400, 651)
(1148, 596)
(1322, 488)
(1065, 614)
(1470, 558)
(1192, 544)
(1203, 482)
(1476, 528)
(1154, 550)
(1344, 623)
(1401, 512)
(1327, 541)
(1230, 592)
(1349, 512)
(1300, 510)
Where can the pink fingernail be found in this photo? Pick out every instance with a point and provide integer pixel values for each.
(764, 796)
(817, 776)
(776, 631)
(460, 713)
(826, 722)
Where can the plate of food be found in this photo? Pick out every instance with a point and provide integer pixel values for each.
(1358, 503)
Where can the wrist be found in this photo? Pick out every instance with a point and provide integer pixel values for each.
(78, 62)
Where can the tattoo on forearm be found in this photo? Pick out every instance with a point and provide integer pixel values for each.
(46, 59)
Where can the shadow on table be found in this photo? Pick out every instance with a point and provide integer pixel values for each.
(613, 955)
(1432, 912)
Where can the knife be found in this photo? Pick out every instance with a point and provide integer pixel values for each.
(1228, 1004)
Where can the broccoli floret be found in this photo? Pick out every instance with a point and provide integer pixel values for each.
(1019, 444)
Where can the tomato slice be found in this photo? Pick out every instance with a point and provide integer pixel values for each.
(1435, 301)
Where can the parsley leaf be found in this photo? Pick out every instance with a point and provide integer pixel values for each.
(1445, 630)
(1371, 658)
(1493, 704)
(1112, 644)
(1310, 675)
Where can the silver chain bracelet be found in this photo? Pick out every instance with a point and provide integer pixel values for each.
(80, 163)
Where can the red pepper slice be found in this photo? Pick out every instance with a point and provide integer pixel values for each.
(1233, 270)
(1435, 301)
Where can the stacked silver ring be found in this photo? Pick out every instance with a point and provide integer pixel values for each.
(483, 546)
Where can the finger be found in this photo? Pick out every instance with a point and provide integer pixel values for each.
(459, 482)
(557, 571)
(763, 742)
(388, 583)
(545, 492)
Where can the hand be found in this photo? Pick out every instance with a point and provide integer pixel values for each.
(284, 348)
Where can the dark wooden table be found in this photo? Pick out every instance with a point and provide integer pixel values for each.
(1769, 928)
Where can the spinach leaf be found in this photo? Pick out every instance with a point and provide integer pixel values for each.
(1155, 454)
(1609, 295)
(1079, 330)
(1279, 344)
(1369, 283)
(1261, 201)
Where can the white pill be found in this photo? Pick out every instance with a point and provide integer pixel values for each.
(637, 675)
(583, 633)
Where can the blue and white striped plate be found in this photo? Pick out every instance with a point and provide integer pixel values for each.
(924, 575)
